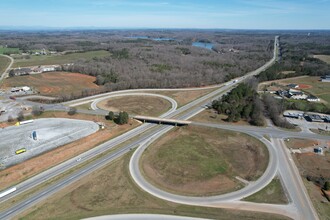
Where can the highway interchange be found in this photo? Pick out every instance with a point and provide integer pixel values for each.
(280, 162)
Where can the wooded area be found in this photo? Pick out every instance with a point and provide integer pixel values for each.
(296, 56)
(162, 59)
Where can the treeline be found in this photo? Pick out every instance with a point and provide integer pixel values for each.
(296, 56)
(241, 103)
(305, 106)
(273, 109)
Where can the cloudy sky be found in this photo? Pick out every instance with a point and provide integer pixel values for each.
(235, 14)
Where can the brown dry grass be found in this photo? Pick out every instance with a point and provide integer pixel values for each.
(203, 161)
(210, 115)
(297, 143)
(112, 191)
(324, 58)
(184, 97)
(55, 83)
(311, 164)
(22, 171)
(136, 105)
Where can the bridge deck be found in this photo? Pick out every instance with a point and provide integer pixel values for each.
(161, 120)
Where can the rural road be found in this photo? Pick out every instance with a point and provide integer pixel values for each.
(5, 73)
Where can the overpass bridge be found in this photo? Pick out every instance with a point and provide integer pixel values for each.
(157, 120)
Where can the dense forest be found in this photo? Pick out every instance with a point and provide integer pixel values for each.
(156, 59)
(242, 102)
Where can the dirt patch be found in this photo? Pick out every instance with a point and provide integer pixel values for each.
(305, 86)
(202, 161)
(136, 105)
(54, 83)
(31, 167)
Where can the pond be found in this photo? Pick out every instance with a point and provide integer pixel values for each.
(208, 46)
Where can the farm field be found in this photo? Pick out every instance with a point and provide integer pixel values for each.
(97, 194)
(4, 62)
(324, 58)
(195, 161)
(59, 59)
(136, 105)
(55, 83)
(4, 50)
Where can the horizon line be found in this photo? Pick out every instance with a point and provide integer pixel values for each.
(47, 28)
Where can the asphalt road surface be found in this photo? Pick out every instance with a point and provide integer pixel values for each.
(51, 133)
(145, 139)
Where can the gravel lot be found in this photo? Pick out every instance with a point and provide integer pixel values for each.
(51, 133)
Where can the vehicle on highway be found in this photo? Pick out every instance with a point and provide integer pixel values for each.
(7, 192)
(24, 122)
(20, 151)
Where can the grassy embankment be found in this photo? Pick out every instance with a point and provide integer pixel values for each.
(136, 105)
(203, 161)
(273, 193)
(112, 191)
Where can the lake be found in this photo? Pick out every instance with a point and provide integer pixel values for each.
(208, 46)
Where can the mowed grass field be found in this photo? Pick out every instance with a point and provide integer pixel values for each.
(324, 58)
(58, 59)
(54, 83)
(202, 161)
(137, 105)
(4, 62)
(111, 190)
(318, 88)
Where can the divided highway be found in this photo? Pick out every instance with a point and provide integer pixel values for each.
(184, 112)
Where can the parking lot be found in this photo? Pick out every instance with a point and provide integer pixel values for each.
(51, 133)
(307, 125)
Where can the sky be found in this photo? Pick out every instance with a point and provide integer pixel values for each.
(202, 14)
